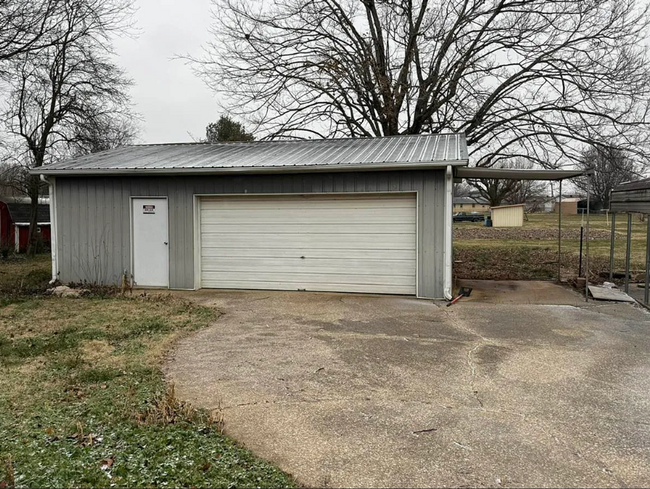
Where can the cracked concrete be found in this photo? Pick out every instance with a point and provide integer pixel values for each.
(370, 391)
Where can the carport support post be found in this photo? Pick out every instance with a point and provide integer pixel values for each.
(646, 294)
(628, 250)
(559, 236)
(611, 248)
(587, 243)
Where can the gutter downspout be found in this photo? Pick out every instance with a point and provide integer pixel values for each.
(449, 231)
(53, 228)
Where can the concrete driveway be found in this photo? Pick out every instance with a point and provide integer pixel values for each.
(361, 391)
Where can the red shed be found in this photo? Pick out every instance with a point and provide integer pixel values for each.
(14, 225)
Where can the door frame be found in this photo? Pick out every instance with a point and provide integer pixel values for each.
(197, 221)
(132, 240)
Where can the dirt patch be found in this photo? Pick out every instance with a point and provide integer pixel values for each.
(521, 263)
(533, 234)
(95, 350)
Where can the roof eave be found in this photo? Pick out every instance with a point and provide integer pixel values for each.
(481, 173)
(248, 170)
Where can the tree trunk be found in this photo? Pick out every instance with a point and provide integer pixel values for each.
(34, 186)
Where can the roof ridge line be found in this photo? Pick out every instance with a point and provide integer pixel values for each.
(293, 140)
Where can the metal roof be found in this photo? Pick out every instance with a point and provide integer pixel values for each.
(517, 174)
(20, 213)
(413, 151)
(631, 197)
(508, 205)
(633, 185)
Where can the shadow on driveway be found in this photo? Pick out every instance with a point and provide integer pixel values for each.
(365, 391)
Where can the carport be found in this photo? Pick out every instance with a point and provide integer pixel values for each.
(478, 173)
(631, 198)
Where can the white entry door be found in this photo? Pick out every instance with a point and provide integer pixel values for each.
(338, 243)
(150, 242)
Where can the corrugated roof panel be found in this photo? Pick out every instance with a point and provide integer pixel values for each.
(441, 148)
(324, 154)
(410, 150)
(432, 149)
(363, 152)
(429, 150)
(397, 149)
(370, 151)
(384, 150)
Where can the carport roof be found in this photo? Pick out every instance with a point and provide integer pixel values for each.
(395, 152)
(517, 174)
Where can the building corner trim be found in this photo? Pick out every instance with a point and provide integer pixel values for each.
(53, 228)
(448, 251)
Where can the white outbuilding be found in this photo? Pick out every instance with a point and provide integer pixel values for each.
(508, 216)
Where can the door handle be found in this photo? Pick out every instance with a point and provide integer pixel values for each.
(166, 242)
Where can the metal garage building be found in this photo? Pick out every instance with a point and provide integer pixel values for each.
(346, 215)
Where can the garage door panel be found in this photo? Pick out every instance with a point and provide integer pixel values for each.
(313, 253)
(298, 278)
(311, 229)
(296, 202)
(338, 241)
(306, 265)
(312, 286)
(320, 216)
(355, 243)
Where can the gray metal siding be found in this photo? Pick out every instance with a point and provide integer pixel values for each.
(630, 198)
(94, 217)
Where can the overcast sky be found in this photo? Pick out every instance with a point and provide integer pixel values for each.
(170, 98)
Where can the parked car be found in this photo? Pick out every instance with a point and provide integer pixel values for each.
(468, 217)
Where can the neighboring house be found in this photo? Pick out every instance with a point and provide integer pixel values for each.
(343, 215)
(508, 216)
(569, 205)
(470, 204)
(14, 224)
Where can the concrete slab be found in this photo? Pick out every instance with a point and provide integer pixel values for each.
(609, 294)
(521, 292)
(371, 391)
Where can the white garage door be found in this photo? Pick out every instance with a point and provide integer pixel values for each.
(321, 243)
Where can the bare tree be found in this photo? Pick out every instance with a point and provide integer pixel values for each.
(531, 78)
(524, 191)
(610, 167)
(70, 97)
(507, 191)
(27, 26)
(462, 189)
(495, 191)
(14, 180)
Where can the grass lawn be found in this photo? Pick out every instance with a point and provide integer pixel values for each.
(83, 402)
(19, 274)
(531, 252)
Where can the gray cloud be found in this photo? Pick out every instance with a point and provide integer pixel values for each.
(171, 99)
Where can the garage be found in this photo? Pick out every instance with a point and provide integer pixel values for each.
(368, 215)
(340, 243)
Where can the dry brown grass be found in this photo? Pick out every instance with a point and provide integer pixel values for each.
(19, 273)
(95, 351)
(168, 409)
